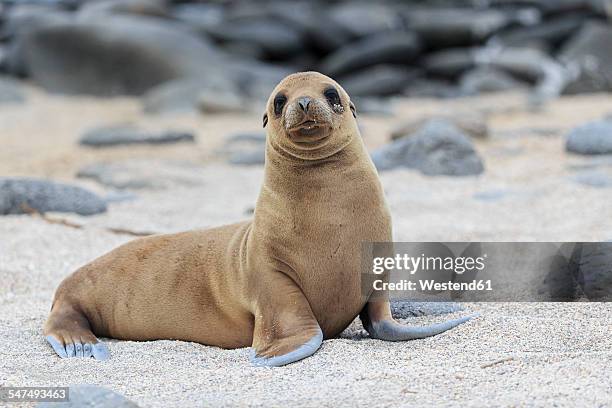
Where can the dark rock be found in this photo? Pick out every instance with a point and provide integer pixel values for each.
(325, 36)
(10, 91)
(438, 148)
(128, 135)
(94, 9)
(450, 63)
(245, 149)
(373, 18)
(276, 39)
(20, 20)
(488, 80)
(143, 174)
(591, 138)
(381, 80)
(115, 55)
(588, 57)
(531, 65)
(199, 16)
(431, 88)
(549, 33)
(255, 78)
(183, 95)
(22, 195)
(473, 125)
(392, 48)
(91, 396)
(446, 27)
(595, 270)
(595, 179)
(211, 101)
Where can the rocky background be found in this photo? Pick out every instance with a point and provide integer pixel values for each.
(216, 55)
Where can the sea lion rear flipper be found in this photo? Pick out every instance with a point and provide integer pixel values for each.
(286, 330)
(377, 320)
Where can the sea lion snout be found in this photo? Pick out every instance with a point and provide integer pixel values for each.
(306, 113)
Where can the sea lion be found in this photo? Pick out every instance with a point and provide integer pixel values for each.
(280, 283)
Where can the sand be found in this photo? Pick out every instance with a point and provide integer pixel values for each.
(529, 354)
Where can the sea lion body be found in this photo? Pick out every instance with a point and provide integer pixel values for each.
(279, 283)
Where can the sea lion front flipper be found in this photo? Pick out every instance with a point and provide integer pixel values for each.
(286, 330)
(378, 321)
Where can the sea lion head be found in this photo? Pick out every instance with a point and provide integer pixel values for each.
(309, 116)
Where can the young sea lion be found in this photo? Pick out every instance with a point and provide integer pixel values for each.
(280, 283)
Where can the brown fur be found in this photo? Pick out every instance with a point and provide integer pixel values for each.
(271, 282)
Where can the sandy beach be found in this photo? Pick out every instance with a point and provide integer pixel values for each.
(514, 354)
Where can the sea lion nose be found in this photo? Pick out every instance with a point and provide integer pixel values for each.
(303, 102)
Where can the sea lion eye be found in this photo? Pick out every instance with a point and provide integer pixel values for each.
(279, 103)
(332, 96)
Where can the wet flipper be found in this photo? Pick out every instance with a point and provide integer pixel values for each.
(305, 350)
(390, 330)
(377, 320)
(285, 329)
(97, 350)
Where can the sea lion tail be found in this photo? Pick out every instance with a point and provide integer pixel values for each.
(390, 330)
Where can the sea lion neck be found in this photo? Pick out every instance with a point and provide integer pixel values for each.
(290, 176)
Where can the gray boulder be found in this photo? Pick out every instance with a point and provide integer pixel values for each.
(431, 88)
(451, 62)
(472, 124)
(588, 57)
(114, 55)
(245, 149)
(391, 47)
(549, 33)
(487, 80)
(128, 135)
(380, 80)
(22, 195)
(210, 101)
(199, 16)
(528, 64)
(275, 38)
(100, 8)
(143, 174)
(91, 396)
(183, 95)
(591, 138)
(438, 148)
(373, 18)
(446, 27)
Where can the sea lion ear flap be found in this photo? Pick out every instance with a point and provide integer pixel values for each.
(353, 110)
(265, 119)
